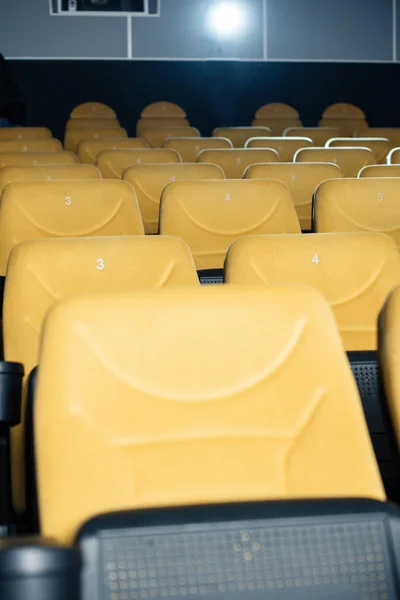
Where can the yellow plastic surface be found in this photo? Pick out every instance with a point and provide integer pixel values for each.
(319, 135)
(156, 137)
(88, 151)
(20, 159)
(391, 133)
(343, 110)
(189, 148)
(92, 123)
(163, 110)
(285, 146)
(47, 173)
(147, 124)
(380, 171)
(349, 160)
(93, 110)
(234, 161)
(149, 182)
(364, 204)
(252, 399)
(25, 133)
(347, 126)
(389, 350)
(239, 135)
(75, 136)
(379, 146)
(394, 157)
(276, 110)
(302, 180)
(277, 125)
(210, 215)
(30, 145)
(354, 271)
(112, 163)
(74, 208)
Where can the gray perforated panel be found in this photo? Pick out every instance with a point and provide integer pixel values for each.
(204, 280)
(285, 561)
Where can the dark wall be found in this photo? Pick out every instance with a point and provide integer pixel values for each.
(213, 93)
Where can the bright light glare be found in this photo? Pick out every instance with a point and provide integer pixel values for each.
(225, 18)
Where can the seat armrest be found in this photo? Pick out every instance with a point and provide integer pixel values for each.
(11, 375)
(38, 569)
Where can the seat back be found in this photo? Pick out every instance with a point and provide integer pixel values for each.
(151, 123)
(349, 160)
(391, 133)
(285, 146)
(354, 271)
(112, 163)
(364, 204)
(346, 126)
(164, 110)
(93, 110)
(239, 135)
(36, 209)
(75, 136)
(209, 215)
(91, 123)
(380, 171)
(30, 145)
(277, 125)
(379, 146)
(231, 384)
(156, 137)
(318, 135)
(149, 182)
(234, 161)
(89, 150)
(394, 157)
(189, 148)
(25, 133)
(277, 110)
(40, 272)
(21, 159)
(343, 110)
(302, 180)
(389, 352)
(47, 173)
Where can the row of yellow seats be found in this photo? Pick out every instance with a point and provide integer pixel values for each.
(242, 408)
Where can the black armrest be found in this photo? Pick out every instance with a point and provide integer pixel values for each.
(37, 569)
(11, 375)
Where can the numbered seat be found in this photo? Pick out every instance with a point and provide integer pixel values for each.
(277, 125)
(380, 171)
(318, 135)
(156, 137)
(239, 135)
(40, 272)
(391, 133)
(189, 148)
(379, 146)
(149, 182)
(112, 163)
(47, 173)
(89, 150)
(165, 110)
(92, 123)
(343, 110)
(347, 126)
(30, 145)
(198, 403)
(74, 137)
(394, 157)
(234, 161)
(363, 204)
(151, 123)
(285, 146)
(302, 180)
(21, 159)
(36, 209)
(349, 160)
(209, 215)
(355, 272)
(25, 133)
(276, 110)
(93, 110)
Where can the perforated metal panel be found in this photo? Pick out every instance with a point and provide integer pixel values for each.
(286, 561)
